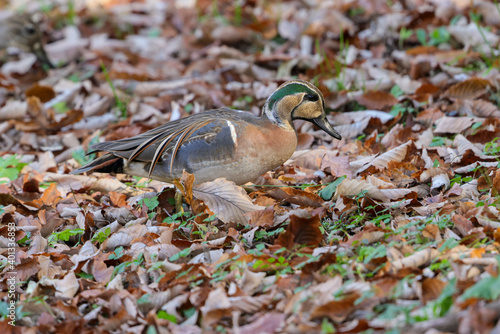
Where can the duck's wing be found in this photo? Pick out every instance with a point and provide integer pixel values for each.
(149, 146)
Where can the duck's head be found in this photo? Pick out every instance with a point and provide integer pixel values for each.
(24, 33)
(298, 99)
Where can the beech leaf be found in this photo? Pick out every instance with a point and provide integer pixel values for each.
(468, 89)
(382, 161)
(227, 200)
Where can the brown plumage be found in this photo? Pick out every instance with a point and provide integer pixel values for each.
(218, 143)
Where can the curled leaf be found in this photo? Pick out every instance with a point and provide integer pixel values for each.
(227, 200)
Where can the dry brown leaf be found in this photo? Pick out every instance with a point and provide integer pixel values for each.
(216, 306)
(301, 231)
(415, 260)
(455, 125)
(105, 185)
(249, 304)
(87, 252)
(231, 34)
(23, 208)
(482, 108)
(269, 322)
(432, 231)
(352, 130)
(50, 196)
(296, 196)
(440, 181)
(336, 310)
(473, 35)
(380, 183)
(354, 187)
(489, 12)
(311, 159)
(44, 93)
(117, 199)
(421, 49)
(432, 288)
(377, 99)
(427, 89)
(101, 272)
(496, 181)
(395, 194)
(338, 166)
(13, 110)
(124, 236)
(67, 287)
(185, 186)
(360, 116)
(48, 268)
(463, 145)
(478, 252)
(304, 140)
(45, 119)
(251, 282)
(227, 200)
(368, 235)
(397, 154)
(261, 218)
(468, 89)
(429, 173)
(455, 190)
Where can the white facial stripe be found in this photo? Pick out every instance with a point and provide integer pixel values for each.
(234, 136)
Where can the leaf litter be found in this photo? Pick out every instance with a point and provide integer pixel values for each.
(395, 228)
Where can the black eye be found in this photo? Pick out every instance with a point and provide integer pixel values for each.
(311, 97)
(29, 30)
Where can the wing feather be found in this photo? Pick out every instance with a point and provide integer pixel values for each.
(150, 146)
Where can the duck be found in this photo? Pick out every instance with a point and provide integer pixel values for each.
(21, 31)
(227, 143)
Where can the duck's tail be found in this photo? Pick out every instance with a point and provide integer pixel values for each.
(108, 163)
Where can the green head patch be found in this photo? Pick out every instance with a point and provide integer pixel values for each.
(292, 88)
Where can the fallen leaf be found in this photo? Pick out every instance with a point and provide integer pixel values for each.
(473, 35)
(44, 93)
(455, 125)
(397, 154)
(432, 231)
(432, 289)
(227, 200)
(50, 196)
(117, 199)
(354, 187)
(440, 182)
(269, 322)
(370, 234)
(297, 196)
(336, 310)
(216, 306)
(304, 140)
(301, 231)
(468, 89)
(478, 252)
(261, 218)
(415, 260)
(13, 110)
(377, 99)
